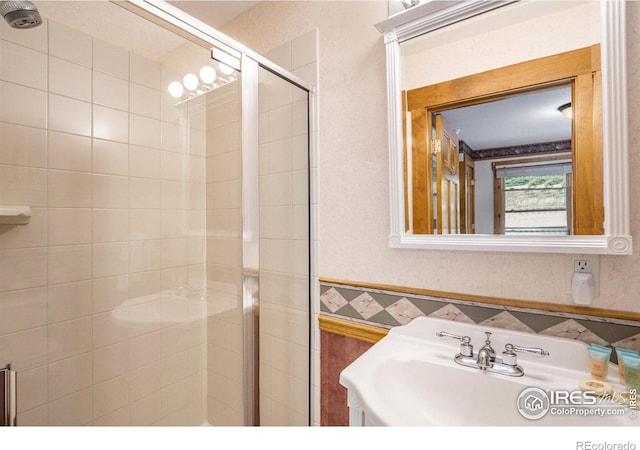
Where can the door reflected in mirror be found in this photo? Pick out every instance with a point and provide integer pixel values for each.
(514, 150)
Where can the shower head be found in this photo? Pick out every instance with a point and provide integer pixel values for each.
(20, 14)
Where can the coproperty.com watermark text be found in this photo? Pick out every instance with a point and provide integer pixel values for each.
(535, 403)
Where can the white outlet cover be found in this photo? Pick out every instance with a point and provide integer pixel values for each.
(569, 269)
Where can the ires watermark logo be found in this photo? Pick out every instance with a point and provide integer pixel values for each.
(534, 403)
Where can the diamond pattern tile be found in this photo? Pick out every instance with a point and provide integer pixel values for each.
(632, 343)
(607, 332)
(574, 330)
(404, 311)
(508, 321)
(451, 312)
(393, 308)
(366, 305)
(333, 300)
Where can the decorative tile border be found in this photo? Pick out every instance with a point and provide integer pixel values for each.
(389, 309)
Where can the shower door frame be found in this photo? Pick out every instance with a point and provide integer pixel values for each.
(228, 51)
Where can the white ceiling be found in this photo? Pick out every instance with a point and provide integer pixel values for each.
(214, 13)
(530, 118)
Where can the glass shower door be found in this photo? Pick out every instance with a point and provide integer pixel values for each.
(284, 252)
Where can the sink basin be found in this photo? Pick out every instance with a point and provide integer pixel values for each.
(410, 378)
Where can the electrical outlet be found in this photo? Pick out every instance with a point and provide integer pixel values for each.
(584, 263)
(582, 266)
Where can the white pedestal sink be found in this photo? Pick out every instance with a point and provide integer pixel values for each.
(410, 378)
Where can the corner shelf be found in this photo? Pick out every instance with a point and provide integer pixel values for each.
(15, 215)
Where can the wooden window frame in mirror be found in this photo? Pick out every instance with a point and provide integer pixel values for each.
(578, 68)
(616, 239)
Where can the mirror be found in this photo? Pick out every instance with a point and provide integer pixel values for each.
(456, 180)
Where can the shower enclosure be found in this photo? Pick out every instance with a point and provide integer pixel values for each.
(154, 246)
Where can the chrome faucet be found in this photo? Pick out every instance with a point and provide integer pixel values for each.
(486, 360)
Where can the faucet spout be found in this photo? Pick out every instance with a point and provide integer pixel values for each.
(484, 359)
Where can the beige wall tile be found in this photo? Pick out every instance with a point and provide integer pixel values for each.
(110, 225)
(146, 255)
(145, 381)
(23, 268)
(144, 193)
(21, 310)
(145, 101)
(23, 146)
(23, 105)
(69, 115)
(25, 349)
(69, 152)
(173, 137)
(174, 166)
(144, 224)
(111, 395)
(72, 410)
(110, 157)
(175, 252)
(144, 162)
(110, 191)
(22, 65)
(69, 189)
(110, 124)
(110, 328)
(304, 49)
(110, 91)
(145, 72)
(70, 338)
(69, 44)
(174, 397)
(144, 131)
(110, 293)
(69, 226)
(69, 79)
(69, 301)
(146, 286)
(110, 259)
(69, 263)
(147, 410)
(118, 418)
(31, 390)
(146, 350)
(110, 59)
(111, 361)
(69, 375)
(174, 194)
(23, 186)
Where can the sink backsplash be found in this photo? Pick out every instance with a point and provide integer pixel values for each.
(385, 308)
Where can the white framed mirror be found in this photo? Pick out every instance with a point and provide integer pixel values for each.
(432, 20)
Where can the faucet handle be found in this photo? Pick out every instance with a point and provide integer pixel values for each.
(466, 349)
(509, 355)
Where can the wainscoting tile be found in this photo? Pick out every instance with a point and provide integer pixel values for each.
(386, 308)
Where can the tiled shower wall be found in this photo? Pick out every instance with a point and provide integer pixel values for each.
(101, 294)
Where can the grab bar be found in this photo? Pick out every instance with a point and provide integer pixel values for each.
(8, 396)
